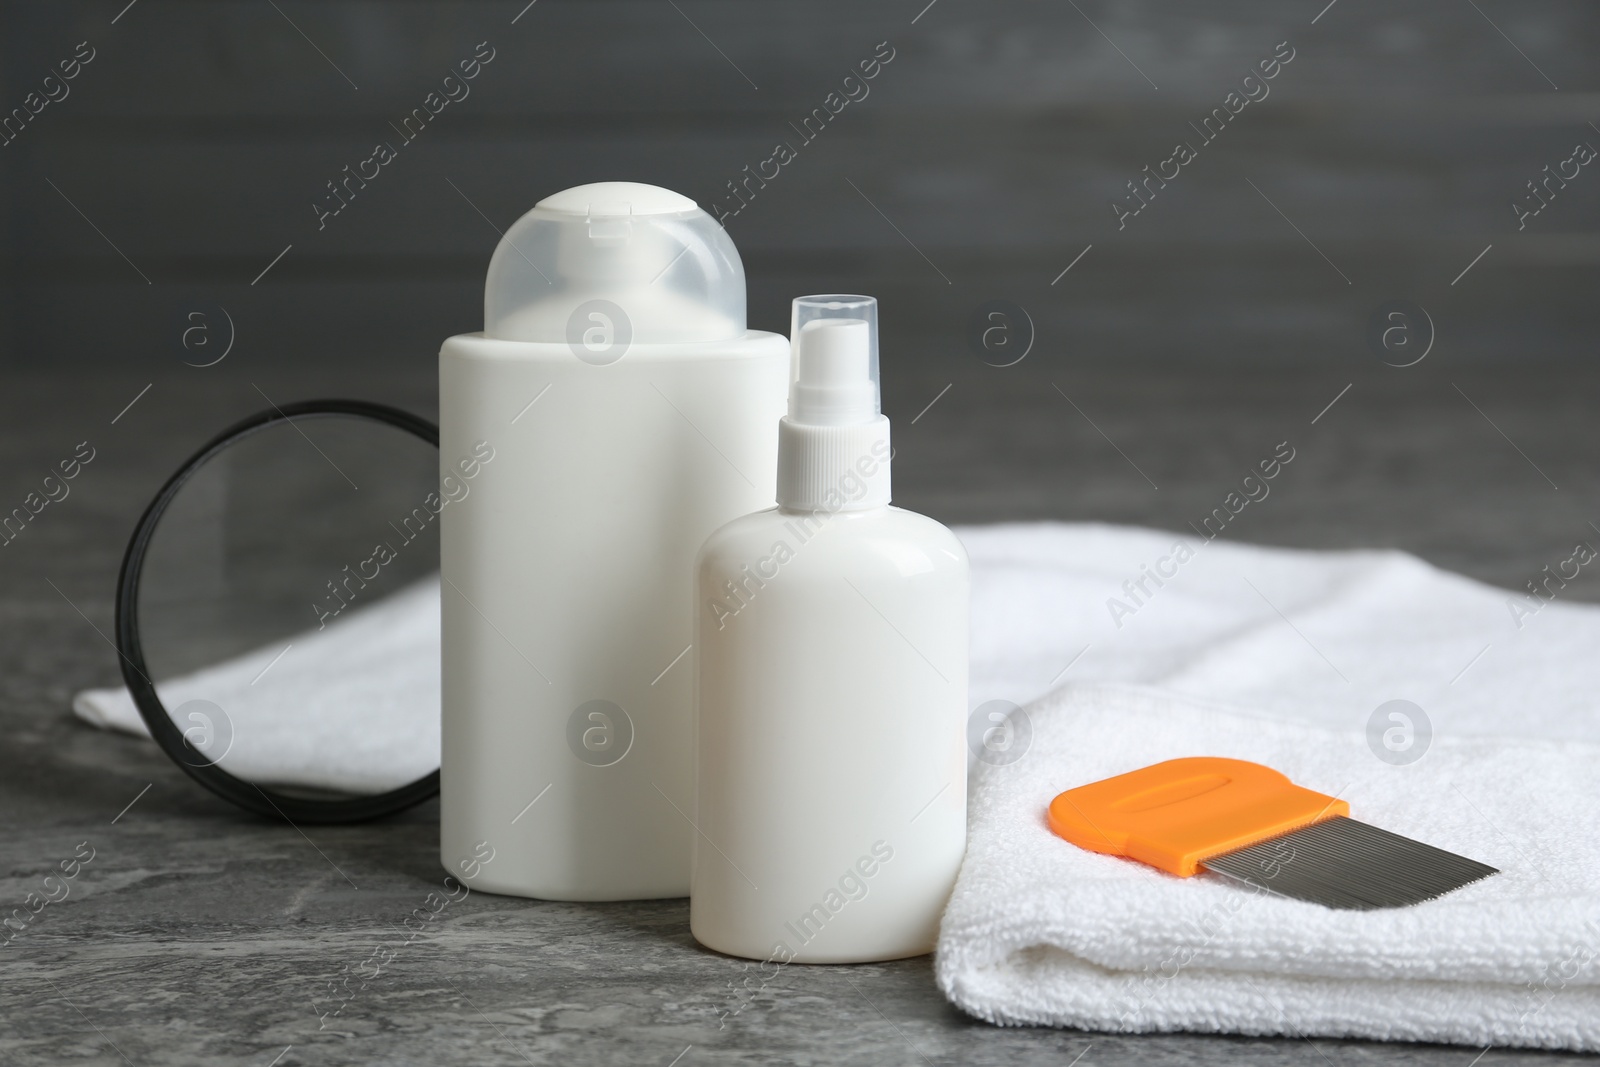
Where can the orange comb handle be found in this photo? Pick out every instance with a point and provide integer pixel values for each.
(1175, 815)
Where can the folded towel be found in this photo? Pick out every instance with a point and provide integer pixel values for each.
(1313, 643)
(352, 708)
(1314, 637)
(1321, 637)
(1040, 931)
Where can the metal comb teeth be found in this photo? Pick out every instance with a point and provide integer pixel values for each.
(1343, 863)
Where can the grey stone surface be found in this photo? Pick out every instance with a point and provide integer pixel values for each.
(198, 934)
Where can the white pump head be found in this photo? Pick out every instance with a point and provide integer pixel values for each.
(834, 369)
(666, 264)
(833, 447)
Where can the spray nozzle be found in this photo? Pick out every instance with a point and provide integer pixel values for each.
(834, 381)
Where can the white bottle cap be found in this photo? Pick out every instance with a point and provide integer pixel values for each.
(651, 254)
(833, 376)
(833, 446)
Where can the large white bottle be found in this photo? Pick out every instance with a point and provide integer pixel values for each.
(832, 686)
(614, 411)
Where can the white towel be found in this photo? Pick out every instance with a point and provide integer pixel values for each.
(1392, 625)
(1315, 637)
(353, 707)
(1039, 931)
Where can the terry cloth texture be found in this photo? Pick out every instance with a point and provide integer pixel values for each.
(1282, 657)
(353, 707)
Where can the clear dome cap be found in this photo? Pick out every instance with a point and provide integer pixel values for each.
(649, 253)
(833, 377)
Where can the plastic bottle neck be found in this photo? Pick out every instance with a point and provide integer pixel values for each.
(833, 468)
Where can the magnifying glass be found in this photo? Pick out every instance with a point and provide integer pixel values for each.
(278, 613)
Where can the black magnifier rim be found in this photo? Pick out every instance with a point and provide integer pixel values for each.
(136, 673)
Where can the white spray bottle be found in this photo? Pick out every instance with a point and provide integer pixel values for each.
(832, 686)
(614, 411)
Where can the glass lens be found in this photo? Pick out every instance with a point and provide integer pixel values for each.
(289, 607)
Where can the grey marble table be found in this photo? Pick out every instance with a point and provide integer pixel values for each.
(199, 934)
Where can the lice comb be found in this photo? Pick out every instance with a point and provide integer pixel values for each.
(1250, 823)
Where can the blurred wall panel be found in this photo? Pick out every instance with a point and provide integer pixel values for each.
(191, 153)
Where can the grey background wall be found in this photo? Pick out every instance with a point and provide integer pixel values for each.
(981, 163)
(173, 194)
